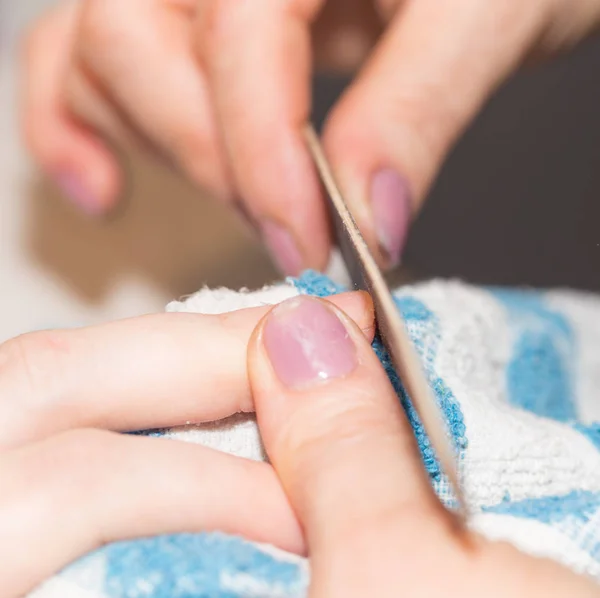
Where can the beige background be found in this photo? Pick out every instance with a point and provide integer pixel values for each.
(60, 269)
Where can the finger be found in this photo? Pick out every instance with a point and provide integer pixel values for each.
(257, 58)
(334, 429)
(435, 66)
(142, 373)
(70, 494)
(76, 159)
(142, 60)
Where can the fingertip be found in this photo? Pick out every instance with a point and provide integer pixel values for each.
(283, 247)
(88, 175)
(378, 191)
(288, 205)
(358, 305)
(80, 165)
(367, 325)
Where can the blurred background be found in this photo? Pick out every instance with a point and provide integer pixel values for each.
(516, 204)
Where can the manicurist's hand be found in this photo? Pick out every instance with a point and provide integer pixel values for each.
(69, 483)
(220, 89)
(348, 462)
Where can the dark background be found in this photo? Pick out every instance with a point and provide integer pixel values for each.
(518, 201)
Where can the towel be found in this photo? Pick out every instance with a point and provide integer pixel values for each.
(516, 375)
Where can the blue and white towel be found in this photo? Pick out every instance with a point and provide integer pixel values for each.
(516, 374)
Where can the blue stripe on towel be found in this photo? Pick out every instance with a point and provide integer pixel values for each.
(538, 376)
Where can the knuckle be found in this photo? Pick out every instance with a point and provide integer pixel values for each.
(221, 21)
(328, 433)
(37, 361)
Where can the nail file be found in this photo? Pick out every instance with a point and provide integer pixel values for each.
(366, 275)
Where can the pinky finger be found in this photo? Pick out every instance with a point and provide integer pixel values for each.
(66, 496)
(77, 161)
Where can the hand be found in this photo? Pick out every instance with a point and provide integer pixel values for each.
(66, 489)
(221, 89)
(345, 454)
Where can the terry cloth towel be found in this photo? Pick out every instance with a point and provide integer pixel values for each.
(516, 375)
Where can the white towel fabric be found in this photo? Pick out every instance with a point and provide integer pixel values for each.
(517, 376)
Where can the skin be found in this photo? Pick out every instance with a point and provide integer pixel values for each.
(242, 72)
(325, 437)
(109, 82)
(68, 488)
(70, 483)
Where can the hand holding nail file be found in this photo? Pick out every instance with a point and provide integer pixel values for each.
(366, 275)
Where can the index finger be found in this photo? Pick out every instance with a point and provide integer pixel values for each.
(154, 371)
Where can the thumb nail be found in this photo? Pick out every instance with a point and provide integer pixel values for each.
(307, 343)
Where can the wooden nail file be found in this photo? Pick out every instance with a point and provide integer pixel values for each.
(366, 275)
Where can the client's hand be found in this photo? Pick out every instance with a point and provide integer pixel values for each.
(331, 423)
(65, 489)
(348, 462)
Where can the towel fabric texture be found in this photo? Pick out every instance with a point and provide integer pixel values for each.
(516, 375)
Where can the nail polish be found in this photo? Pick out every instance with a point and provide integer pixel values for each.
(77, 191)
(307, 343)
(283, 248)
(391, 204)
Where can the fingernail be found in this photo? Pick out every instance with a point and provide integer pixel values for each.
(390, 199)
(307, 343)
(74, 188)
(283, 248)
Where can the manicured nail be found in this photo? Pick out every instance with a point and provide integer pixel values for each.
(307, 343)
(78, 192)
(283, 248)
(390, 199)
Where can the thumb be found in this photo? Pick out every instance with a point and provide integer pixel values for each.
(433, 69)
(334, 428)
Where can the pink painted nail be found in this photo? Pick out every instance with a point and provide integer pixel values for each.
(283, 248)
(307, 343)
(77, 191)
(390, 198)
